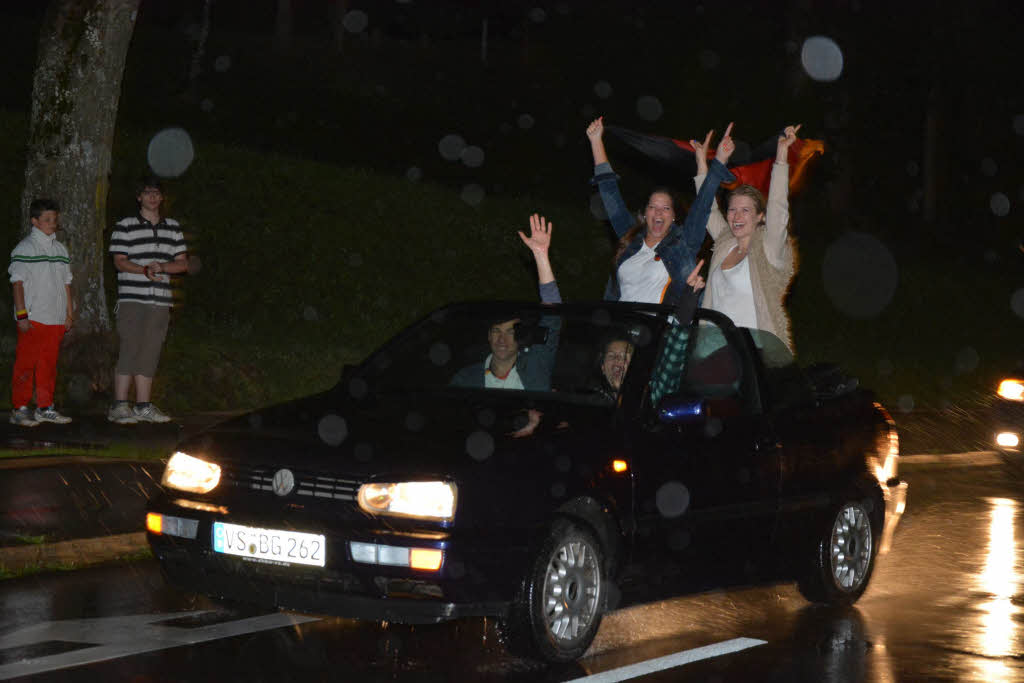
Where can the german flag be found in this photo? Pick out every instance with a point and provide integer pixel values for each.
(750, 168)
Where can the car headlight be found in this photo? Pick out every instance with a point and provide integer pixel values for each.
(1012, 389)
(186, 473)
(423, 499)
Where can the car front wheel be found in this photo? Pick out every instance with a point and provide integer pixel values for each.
(843, 559)
(558, 610)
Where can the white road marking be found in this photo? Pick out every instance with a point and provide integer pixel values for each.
(670, 661)
(115, 637)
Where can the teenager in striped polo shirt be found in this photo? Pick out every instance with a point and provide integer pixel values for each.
(146, 248)
(41, 277)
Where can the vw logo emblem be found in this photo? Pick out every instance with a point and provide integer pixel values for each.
(284, 482)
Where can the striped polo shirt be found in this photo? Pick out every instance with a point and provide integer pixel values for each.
(144, 243)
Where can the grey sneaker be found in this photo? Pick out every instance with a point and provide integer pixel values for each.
(50, 414)
(122, 414)
(149, 414)
(23, 417)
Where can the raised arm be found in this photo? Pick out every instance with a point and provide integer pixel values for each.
(716, 224)
(607, 182)
(777, 211)
(539, 243)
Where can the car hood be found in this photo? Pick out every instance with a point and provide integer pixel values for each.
(441, 434)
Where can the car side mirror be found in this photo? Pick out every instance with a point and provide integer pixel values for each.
(682, 409)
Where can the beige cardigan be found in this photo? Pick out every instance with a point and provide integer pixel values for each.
(772, 255)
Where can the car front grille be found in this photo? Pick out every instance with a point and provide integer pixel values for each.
(307, 483)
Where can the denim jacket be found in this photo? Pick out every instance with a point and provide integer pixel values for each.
(678, 249)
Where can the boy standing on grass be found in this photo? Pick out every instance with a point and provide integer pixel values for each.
(146, 247)
(41, 276)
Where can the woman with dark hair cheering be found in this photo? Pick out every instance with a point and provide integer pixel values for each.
(656, 252)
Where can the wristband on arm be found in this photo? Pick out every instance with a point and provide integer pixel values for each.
(21, 314)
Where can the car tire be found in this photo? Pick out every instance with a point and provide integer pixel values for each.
(559, 607)
(843, 557)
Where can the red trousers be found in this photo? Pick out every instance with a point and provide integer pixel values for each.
(36, 358)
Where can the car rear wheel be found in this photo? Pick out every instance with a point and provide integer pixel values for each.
(559, 608)
(843, 559)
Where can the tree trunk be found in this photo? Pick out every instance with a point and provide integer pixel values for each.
(75, 93)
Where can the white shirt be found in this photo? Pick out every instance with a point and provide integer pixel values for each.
(733, 294)
(642, 278)
(41, 263)
(492, 381)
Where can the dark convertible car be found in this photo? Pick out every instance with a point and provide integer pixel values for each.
(537, 464)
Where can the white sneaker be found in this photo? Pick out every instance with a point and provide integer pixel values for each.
(23, 417)
(50, 414)
(149, 414)
(121, 413)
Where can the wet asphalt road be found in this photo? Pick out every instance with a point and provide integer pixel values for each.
(944, 605)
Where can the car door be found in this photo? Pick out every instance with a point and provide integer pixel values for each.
(706, 488)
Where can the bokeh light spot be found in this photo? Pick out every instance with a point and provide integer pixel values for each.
(860, 275)
(905, 403)
(472, 156)
(332, 429)
(966, 360)
(222, 63)
(538, 15)
(525, 121)
(1017, 302)
(473, 194)
(558, 490)
(603, 89)
(355, 21)
(450, 147)
(415, 421)
(999, 203)
(649, 108)
(414, 174)
(822, 59)
(480, 445)
(989, 166)
(170, 152)
(440, 354)
(672, 499)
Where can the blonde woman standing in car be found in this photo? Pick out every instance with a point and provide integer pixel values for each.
(754, 259)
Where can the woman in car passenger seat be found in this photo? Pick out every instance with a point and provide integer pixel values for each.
(753, 259)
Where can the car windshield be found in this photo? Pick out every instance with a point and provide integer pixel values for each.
(572, 353)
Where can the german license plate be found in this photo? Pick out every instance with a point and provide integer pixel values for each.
(275, 545)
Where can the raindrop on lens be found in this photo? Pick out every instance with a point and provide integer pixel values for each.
(538, 15)
(415, 421)
(363, 452)
(472, 194)
(603, 89)
(649, 108)
(355, 21)
(414, 174)
(905, 403)
(480, 445)
(672, 499)
(486, 418)
(357, 388)
(472, 156)
(913, 169)
(558, 490)
(860, 275)
(1018, 124)
(440, 354)
(170, 152)
(989, 166)
(1017, 302)
(451, 146)
(1000, 204)
(332, 429)
(967, 360)
(822, 59)
(709, 59)
(525, 121)
(206, 105)
(222, 63)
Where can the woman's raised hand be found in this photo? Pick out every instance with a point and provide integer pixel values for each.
(540, 235)
(700, 152)
(595, 130)
(726, 147)
(694, 279)
(787, 138)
